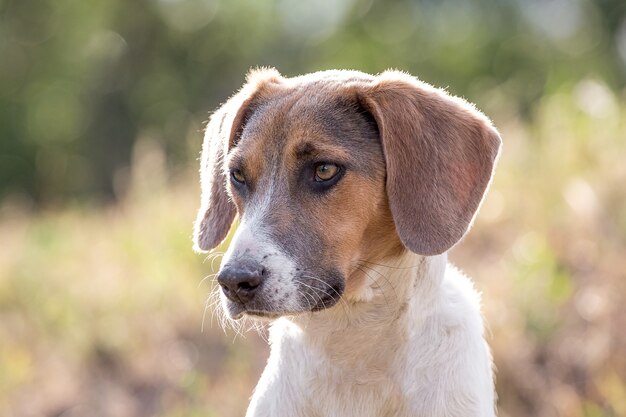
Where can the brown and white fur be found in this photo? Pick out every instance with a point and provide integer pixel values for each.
(368, 318)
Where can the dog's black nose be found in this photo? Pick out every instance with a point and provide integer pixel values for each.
(240, 280)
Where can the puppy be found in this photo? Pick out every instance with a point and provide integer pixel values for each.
(349, 189)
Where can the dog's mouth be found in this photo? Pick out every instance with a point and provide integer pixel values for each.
(308, 300)
(269, 315)
(238, 311)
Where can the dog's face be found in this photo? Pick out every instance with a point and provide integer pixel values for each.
(307, 176)
(331, 170)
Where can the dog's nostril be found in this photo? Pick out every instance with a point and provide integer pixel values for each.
(240, 281)
(247, 286)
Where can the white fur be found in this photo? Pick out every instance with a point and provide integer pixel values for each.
(279, 289)
(409, 343)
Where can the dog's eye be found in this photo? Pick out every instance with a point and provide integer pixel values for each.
(237, 176)
(325, 172)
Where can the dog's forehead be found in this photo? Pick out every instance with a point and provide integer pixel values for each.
(278, 125)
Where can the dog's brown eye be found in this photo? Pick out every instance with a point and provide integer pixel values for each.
(325, 172)
(237, 176)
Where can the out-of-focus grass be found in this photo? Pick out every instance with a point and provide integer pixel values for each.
(101, 307)
(547, 250)
(101, 311)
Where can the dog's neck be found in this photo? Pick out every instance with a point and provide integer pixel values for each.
(374, 316)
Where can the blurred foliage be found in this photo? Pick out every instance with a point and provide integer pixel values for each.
(101, 306)
(81, 81)
(101, 312)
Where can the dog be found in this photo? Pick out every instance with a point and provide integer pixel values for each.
(350, 189)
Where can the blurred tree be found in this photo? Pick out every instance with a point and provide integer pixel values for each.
(81, 81)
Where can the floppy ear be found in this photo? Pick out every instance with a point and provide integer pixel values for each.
(217, 211)
(439, 153)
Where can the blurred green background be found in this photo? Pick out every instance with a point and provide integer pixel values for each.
(102, 106)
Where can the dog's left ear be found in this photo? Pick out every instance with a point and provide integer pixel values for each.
(217, 211)
(439, 154)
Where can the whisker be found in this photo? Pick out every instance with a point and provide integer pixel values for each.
(221, 255)
(314, 293)
(375, 282)
(391, 266)
(384, 277)
(343, 303)
(206, 304)
(304, 295)
(210, 276)
(212, 300)
(212, 256)
(306, 298)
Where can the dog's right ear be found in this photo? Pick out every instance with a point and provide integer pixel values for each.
(217, 211)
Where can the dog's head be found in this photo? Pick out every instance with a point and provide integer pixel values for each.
(329, 170)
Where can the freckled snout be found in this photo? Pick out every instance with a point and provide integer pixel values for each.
(241, 279)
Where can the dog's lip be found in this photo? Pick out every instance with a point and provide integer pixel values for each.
(259, 314)
(237, 311)
(265, 314)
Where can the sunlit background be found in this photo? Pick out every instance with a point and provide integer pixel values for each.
(102, 104)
